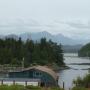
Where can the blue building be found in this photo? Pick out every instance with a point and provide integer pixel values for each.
(47, 76)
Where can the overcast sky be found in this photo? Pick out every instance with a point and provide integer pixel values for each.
(69, 17)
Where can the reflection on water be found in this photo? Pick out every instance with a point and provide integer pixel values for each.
(68, 76)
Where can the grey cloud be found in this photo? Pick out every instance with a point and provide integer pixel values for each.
(26, 23)
(77, 25)
(51, 25)
(20, 23)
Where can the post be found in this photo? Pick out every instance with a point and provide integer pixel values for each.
(25, 83)
(63, 85)
(13, 82)
(39, 83)
(2, 82)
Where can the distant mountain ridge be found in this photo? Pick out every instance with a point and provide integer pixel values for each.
(59, 38)
(71, 48)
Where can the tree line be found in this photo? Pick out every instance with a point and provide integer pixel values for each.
(14, 52)
(84, 51)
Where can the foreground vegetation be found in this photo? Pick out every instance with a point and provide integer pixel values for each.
(18, 87)
(80, 88)
(82, 83)
(13, 52)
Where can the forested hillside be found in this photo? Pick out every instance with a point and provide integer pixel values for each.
(13, 52)
(85, 51)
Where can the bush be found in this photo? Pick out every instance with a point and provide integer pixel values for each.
(83, 82)
(78, 81)
(79, 88)
(33, 87)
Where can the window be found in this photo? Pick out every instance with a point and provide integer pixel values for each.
(37, 74)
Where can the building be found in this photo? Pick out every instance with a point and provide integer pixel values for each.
(47, 76)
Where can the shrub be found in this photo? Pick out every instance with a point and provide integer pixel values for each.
(79, 88)
(33, 87)
(83, 82)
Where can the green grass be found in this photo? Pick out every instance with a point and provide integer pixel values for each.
(19, 87)
(33, 88)
(12, 87)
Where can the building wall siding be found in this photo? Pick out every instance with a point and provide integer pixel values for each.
(35, 74)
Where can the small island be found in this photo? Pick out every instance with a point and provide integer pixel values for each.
(84, 51)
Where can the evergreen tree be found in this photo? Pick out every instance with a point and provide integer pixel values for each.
(46, 52)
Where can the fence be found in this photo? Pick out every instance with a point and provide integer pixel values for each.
(19, 82)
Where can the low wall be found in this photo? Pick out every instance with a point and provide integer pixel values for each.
(20, 82)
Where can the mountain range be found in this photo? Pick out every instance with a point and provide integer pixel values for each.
(59, 38)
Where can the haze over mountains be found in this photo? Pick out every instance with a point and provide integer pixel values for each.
(59, 38)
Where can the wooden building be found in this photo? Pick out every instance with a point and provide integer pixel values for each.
(46, 75)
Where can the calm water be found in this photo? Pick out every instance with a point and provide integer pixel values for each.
(68, 75)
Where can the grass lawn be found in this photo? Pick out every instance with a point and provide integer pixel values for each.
(19, 87)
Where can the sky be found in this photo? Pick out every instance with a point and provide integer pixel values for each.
(68, 17)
